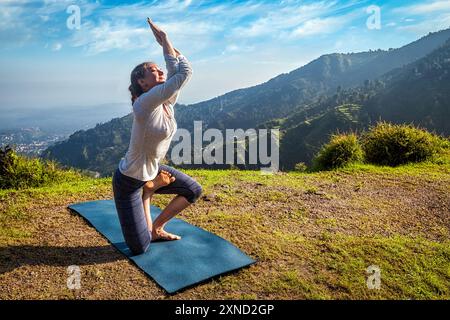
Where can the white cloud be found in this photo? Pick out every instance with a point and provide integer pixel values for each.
(142, 9)
(438, 22)
(105, 37)
(51, 7)
(279, 19)
(235, 48)
(424, 17)
(124, 27)
(56, 46)
(425, 8)
(120, 35)
(190, 28)
(9, 14)
(25, 22)
(14, 32)
(318, 26)
(298, 19)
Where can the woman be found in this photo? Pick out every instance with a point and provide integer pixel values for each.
(140, 175)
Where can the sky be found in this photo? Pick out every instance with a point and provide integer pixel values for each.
(58, 53)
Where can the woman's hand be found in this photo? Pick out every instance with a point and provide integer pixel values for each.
(160, 35)
(163, 40)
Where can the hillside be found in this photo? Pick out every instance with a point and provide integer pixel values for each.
(417, 93)
(314, 236)
(286, 93)
(297, 101)
(98, 149)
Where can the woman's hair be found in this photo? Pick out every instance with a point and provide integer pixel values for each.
(138, 73)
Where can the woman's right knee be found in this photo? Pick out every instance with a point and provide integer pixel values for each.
(138, 245)
(137, 250)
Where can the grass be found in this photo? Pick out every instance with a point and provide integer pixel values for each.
(314, 236)
(410, 267)
(428, 169)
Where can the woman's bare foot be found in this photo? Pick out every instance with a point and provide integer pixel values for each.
(162, 179)
(162, 235)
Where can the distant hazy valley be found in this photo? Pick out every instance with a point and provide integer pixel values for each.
(33, 129)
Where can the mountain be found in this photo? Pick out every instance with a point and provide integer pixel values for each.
(417, 93)
(278, 97)
(307, 104)
(98, 149)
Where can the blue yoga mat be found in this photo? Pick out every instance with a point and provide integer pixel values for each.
(174, 265)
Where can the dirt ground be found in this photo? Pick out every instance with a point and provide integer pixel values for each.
(279, 221)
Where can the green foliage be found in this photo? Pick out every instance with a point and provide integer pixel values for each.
(301, 167)
(342, 149)
(393, 145)
(19, 172)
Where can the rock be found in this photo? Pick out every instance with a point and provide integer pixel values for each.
(209, 197)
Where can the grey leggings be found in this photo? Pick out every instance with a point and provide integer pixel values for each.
(128, 200)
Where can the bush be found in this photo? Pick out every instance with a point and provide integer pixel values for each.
(18, 172)
(393, 145)
(301, 167)
(342, 149)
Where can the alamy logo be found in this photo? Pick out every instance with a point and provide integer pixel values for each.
(74, 279)
(374, 278)
(374, 21)
(74, 20)
(234, 143)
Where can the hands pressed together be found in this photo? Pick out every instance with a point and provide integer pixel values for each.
(162, 38)
(160, 35)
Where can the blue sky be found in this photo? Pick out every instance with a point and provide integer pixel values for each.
(231, 44)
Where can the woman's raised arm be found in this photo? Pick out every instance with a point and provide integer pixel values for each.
(180, 71)
(168, 49)
(163, 39)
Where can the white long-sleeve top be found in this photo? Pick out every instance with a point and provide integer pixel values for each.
(153, 129)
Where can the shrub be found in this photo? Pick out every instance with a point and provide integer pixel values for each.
(342, 149)
(301, 167)
(393, 145)
(18, 172)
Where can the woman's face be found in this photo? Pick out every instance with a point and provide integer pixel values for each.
(153, 76)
